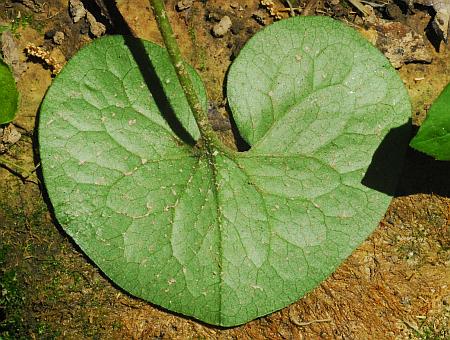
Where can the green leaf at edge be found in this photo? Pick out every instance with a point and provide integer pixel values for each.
(9, 97)
(224, 238)
(433, 137)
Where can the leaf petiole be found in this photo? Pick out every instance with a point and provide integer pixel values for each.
(209, 137)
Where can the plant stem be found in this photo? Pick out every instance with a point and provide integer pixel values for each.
(16, 169)
(207, 133)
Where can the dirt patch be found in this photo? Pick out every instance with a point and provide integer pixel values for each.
(395, 285)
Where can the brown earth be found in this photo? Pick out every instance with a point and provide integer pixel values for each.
(396, 285)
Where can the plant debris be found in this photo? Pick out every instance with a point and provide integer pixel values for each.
(44, 56)
(441, 21)
(35, 5)
(8, 136)
(270, 7)
(399, 43)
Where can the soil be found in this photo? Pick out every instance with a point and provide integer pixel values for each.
(396, 285)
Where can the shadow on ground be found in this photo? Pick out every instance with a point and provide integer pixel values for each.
(398, 174)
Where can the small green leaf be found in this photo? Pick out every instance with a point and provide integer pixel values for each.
(223, 237)
(9, 97)
(433, 137)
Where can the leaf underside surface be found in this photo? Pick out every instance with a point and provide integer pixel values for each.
(224, 238)
(433, 137)
(9, 96)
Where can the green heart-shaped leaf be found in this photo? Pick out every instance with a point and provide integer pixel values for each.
(433, 137)
(224, 237)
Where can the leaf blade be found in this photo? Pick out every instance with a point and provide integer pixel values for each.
(433, 137)
(306, 71)
(221, 237)
(9, 96)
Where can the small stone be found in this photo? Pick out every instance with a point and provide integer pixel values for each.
(234, 5)
(96, 28)
(222, 27)
(183, 5)
(77, 10)
(58, 38)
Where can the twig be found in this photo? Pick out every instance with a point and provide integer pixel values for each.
(310, 7)
(291, 9)
(374, 4)
(17, 170)
(306, 323)
(24, 131)
(359, 6)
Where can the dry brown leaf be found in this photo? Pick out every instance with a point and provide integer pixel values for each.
(441, 21)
